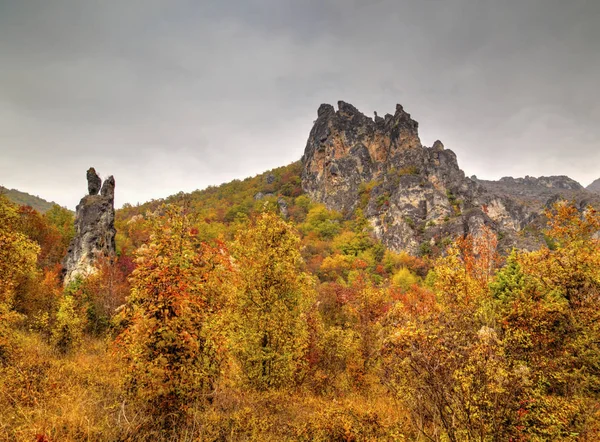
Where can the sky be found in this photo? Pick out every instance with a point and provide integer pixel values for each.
(176, 95)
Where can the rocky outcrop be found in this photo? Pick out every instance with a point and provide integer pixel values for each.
(415, 197)
(94, 181)
(94, 228)
(540, 193)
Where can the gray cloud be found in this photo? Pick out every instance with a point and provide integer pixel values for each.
(173, 95)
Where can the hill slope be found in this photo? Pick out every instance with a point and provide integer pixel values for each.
(25, 199)
(594, 187)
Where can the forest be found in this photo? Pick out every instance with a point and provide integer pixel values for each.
(249, 312)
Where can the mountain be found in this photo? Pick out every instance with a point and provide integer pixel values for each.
(594, 187)
(539, 193)
(25, 199)
(415, 197)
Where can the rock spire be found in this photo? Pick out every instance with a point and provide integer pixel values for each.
(94, 228)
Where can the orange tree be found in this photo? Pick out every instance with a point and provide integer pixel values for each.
(173, 339)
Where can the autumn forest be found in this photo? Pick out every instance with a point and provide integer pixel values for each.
(248, 311)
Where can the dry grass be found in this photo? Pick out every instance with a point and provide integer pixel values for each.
(45, 397)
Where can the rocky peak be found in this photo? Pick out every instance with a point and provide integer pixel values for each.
(94, 181)
(345, 148)
(108, 188)
(415, 195)
(94, 228)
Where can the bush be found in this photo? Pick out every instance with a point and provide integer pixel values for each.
(68, 328)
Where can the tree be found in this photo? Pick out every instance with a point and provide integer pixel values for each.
(18, 256)
(68, 328)
(18, 253)
(273, 296)
(102, 293)
(172, 342)
(550, 314)
(443, 356)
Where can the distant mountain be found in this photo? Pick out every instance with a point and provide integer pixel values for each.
(25, 199)
(538, 193)
(594, 187)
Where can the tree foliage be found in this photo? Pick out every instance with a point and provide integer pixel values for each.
(172, 342)
(273, 295)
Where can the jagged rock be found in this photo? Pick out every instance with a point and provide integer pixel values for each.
(270, 178)
(283, 207)
(94, 181)
(540, 193)
(260, 195)
(416, 195)
(94, 229)
(108, 188)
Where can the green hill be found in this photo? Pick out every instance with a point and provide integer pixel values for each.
(25, 199)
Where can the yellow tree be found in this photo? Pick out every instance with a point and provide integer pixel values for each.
(443, 356)
(18, 256)
(550, 307)
(273, 296)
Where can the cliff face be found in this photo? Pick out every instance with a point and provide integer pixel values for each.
(346, 148)
(94, 228)
(415, 197)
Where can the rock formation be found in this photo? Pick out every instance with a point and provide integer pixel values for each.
(540, 193)
(94, 181)
(94, 228)
(415, 197)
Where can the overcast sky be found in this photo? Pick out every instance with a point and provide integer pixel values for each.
(171, 95)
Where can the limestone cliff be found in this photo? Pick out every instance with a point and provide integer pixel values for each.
(415, 197)
(94, 228)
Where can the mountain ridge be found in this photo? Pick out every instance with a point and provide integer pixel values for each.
(594, 186)
(418, 196)
(26, 199)
(415, 198)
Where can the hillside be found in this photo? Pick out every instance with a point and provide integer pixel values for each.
(25, 199)
(594, 187)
